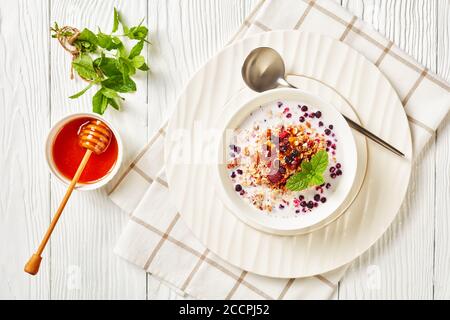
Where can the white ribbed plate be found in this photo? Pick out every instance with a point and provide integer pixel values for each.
(200, 105)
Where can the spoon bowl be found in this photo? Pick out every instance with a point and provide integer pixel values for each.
(262, 69)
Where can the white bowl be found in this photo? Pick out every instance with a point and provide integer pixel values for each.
(51, 164)
(294, 224)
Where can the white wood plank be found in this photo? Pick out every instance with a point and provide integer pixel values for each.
(83, 265)
(400, 265)
(24, 121)
(186, 35)
(442, 199)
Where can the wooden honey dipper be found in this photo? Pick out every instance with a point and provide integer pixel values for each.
(95, 136)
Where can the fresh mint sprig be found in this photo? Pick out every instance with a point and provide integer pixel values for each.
(103, 60)
(311, 173)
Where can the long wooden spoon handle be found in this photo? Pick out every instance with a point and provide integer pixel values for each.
(32, 266)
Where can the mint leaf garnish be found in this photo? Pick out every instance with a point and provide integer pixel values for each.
(311, 173)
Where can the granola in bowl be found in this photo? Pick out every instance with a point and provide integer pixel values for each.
(276, 142)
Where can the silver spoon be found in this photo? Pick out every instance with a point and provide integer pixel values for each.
(264, 69)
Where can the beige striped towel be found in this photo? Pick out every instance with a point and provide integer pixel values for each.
(157, 240)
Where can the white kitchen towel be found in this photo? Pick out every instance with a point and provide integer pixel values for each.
(157, 240)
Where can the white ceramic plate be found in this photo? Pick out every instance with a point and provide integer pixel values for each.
(361, 84)
(289, 223)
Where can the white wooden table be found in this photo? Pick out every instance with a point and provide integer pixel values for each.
(412, 260)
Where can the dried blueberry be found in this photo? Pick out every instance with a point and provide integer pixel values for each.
(302, 119)
(338, 165)
(283, 148)
(323, 200)
(288, 160)
(331, 127)
(317, 197)
(304, 108)
(318, 114)
(239, 171)
(310, 204)
(327, 132)
(238, 187)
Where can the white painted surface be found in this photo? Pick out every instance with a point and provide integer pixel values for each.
(411, 261)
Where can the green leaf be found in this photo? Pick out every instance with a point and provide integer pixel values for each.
(298, 182)
(76, 95)
(319, 161)
(116, 20)
(109, 66)
(88, 35)
(138, 33)
(136, 50)
(109, 93)
(144, 67)
(138, 61)
(126, 66)
(106, 41)
(122, 51)
(311, 173)
(316, 180)
(116, 41)
(99, 102)
(83, 65)
(120, 84)
(87, 41)
(113, 103)
(306, 166)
